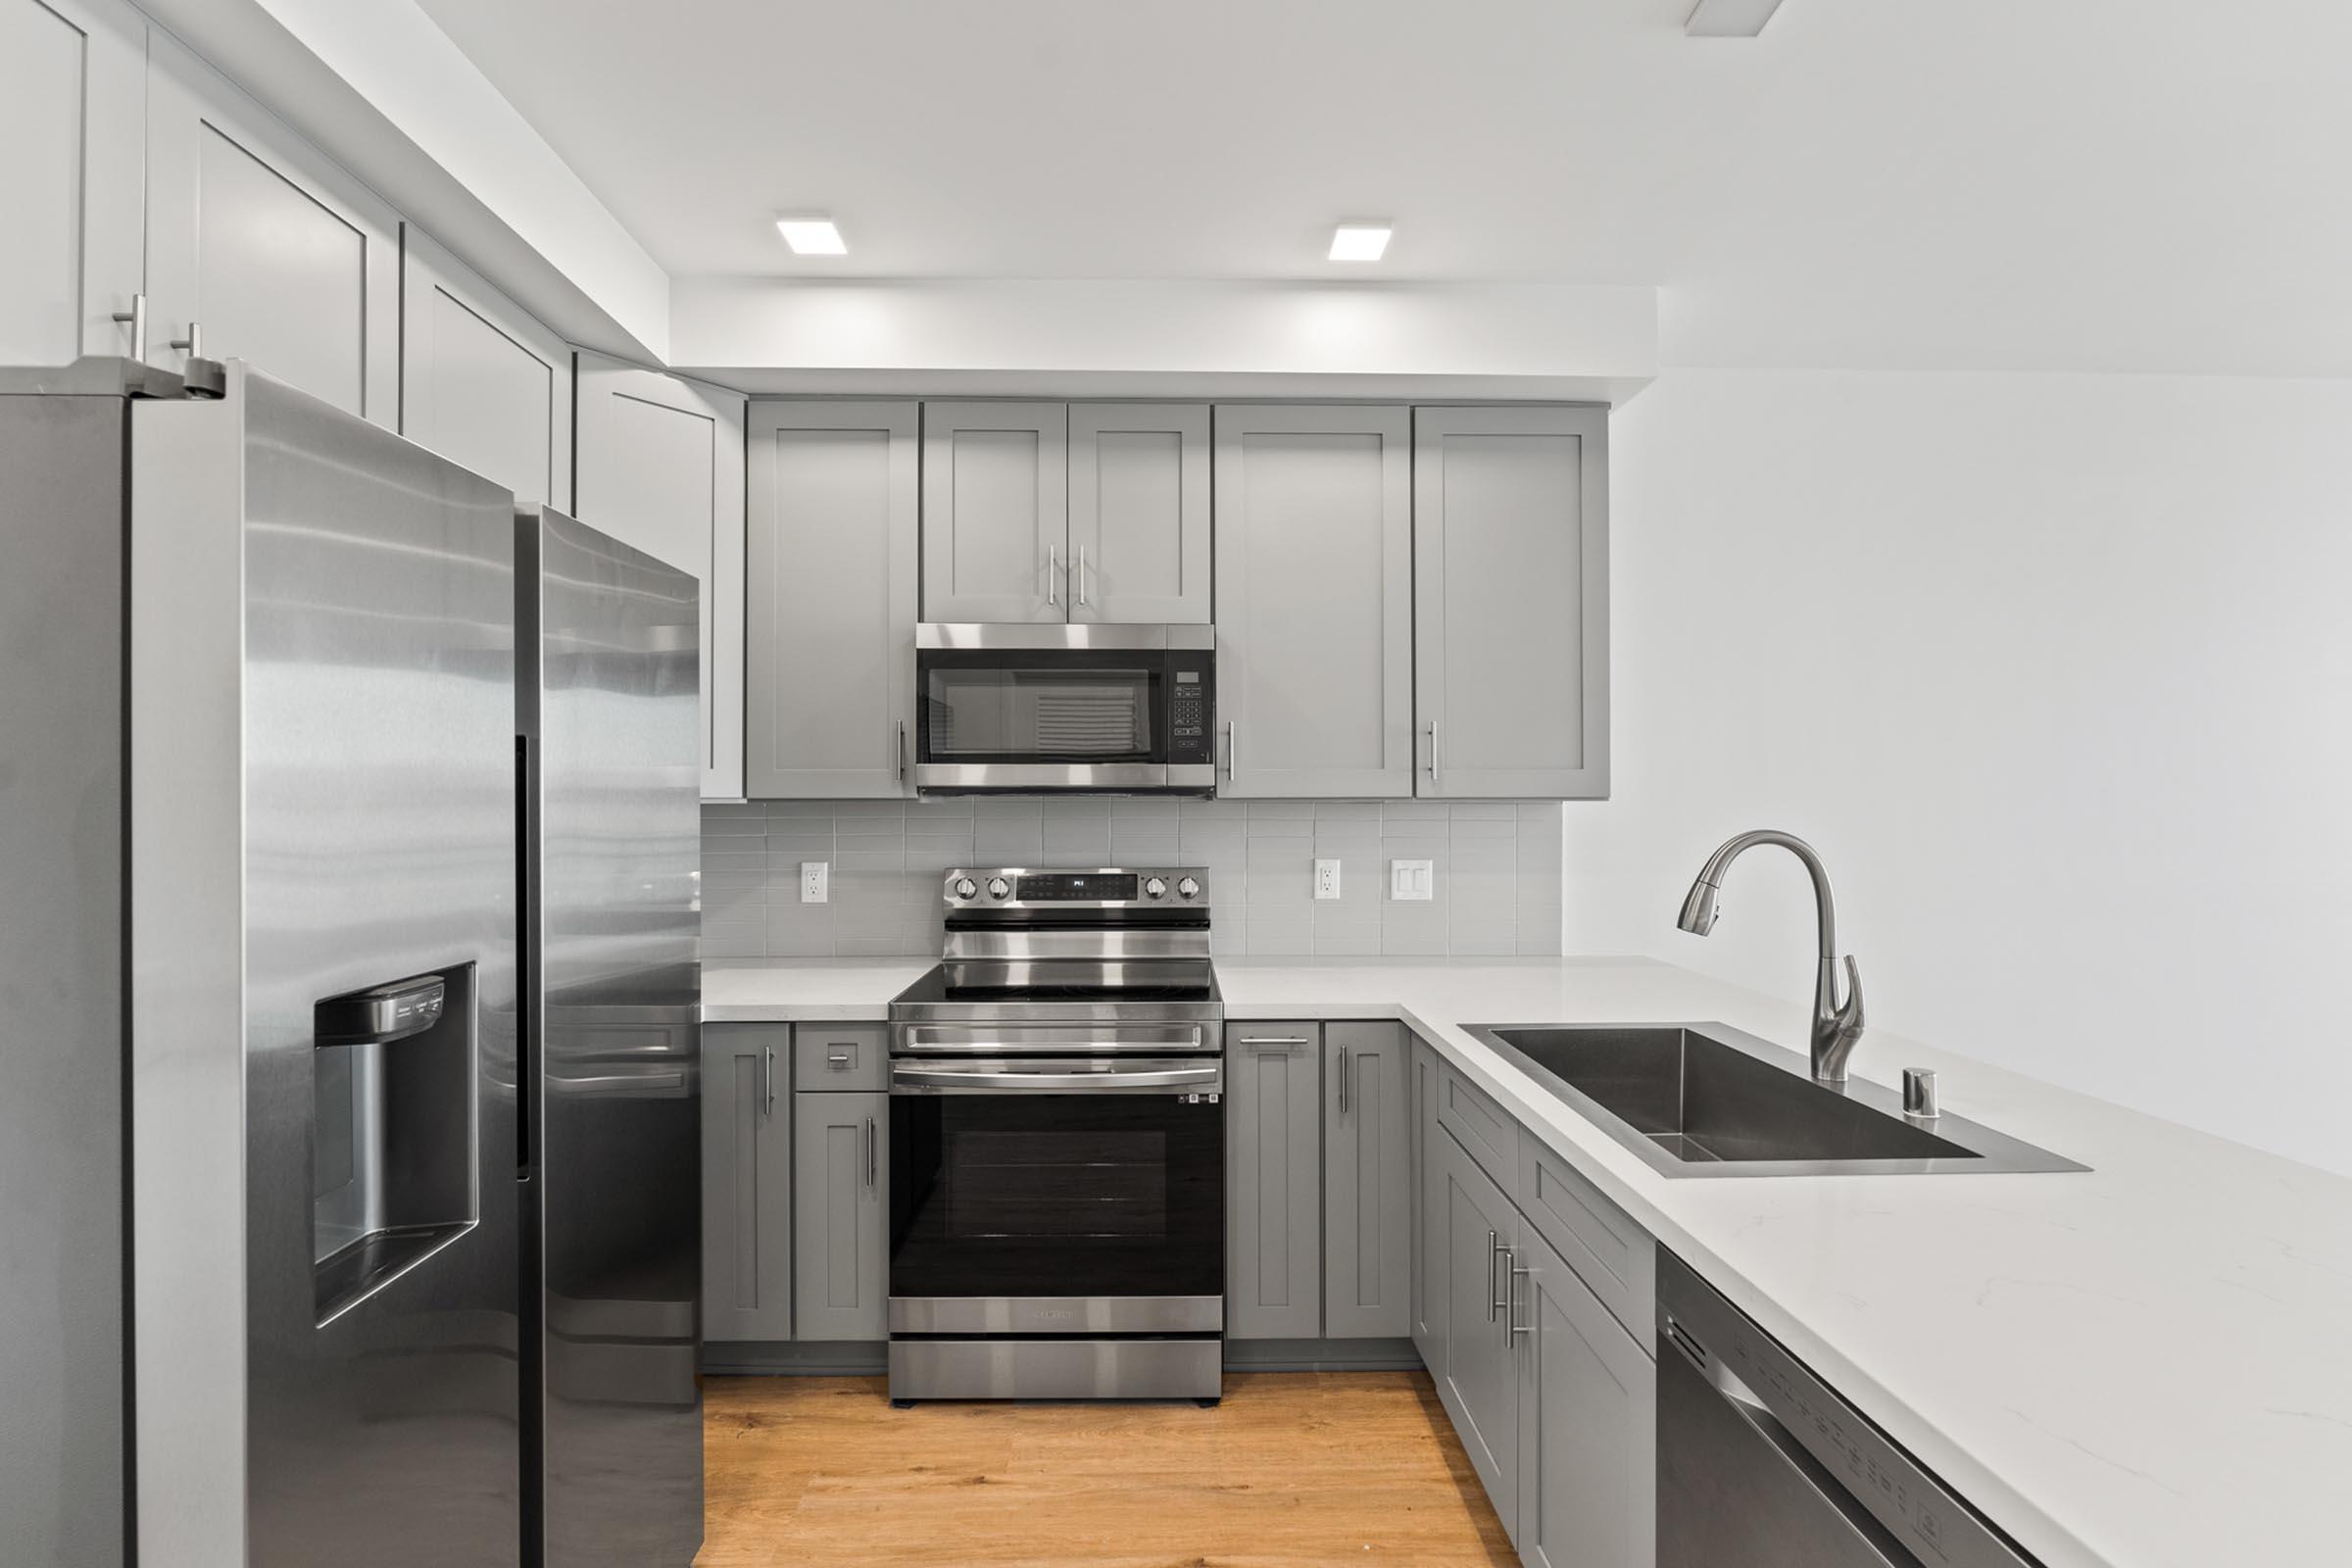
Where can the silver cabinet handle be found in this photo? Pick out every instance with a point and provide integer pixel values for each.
(136, 320)
(193, 343)
(1229, 747)
(1512, 1328)
(1080, 577)
(901, 750)
(1494, 1251)
(869, 1150)
(1343, 1080)
(838, 1059)
(1274, 1042)
(768, 1080)
(1432, 751)
(1053, 577)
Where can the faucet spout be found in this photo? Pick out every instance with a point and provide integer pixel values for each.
(1836, 1024)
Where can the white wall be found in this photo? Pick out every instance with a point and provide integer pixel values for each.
(2057, 673)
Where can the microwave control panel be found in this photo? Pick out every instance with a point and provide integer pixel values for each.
(1191, 716)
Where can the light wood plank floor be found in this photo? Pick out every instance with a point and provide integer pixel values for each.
(1294, 1468)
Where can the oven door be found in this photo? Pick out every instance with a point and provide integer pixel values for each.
(1056, 1196)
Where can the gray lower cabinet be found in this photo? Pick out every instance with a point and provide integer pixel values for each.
(1314, 575)
(1274, 1173)
(1429, 1275)
(1512, 600)
(747, 1182)
(841, 1165)
(1477, 1369)
(831, 538)
(1367, 1182)
(1588, 1423)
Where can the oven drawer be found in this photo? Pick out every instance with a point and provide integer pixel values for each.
(1056, 1369)
(840, 1056)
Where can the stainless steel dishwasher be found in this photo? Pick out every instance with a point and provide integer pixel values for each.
(1762, 1465)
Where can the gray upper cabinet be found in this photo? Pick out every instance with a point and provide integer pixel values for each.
(1367, 1182)
(1314, 600)
(1274, 1171)
(1511, 646)
(480, 383)
(661, 466)
(841, 1167)
(747, 1182)
(830, 548)
(1588, 1424)
(1477, 1368)
(996, 511)
(260, 249)
(1138, 539)
(72, 117)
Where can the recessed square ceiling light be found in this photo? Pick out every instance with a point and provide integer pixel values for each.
(1359, 242)
(811, 236)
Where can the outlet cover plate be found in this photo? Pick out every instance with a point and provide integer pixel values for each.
(1327, 879)
(816, 878)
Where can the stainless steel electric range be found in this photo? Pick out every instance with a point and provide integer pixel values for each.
(1057, 1144)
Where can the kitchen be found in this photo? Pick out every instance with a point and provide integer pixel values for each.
(1064, 784)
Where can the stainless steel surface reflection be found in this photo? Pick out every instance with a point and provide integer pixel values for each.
(610, 661)
(378, 722)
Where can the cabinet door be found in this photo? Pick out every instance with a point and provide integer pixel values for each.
(1478, 1378)
(1314, 600)
(1367, 1182)
(1274, 1192)
(1138, 513)
(747, 1183)
(830, 552)
(996, 511)
(73, 123)
(480, 382)
(1588, 1425)
(254, 237)
(1511, 588)
(1428, 1191)
(840, 1161)
(660, 466)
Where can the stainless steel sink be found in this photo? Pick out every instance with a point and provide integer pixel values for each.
(1705, 1099)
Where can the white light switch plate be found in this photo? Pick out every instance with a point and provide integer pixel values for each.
(1413, 880)
(815, 878)
(1327, 879)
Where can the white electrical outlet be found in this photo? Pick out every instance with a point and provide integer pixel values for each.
(815, 880)
(1327, 879)
(1413, 880)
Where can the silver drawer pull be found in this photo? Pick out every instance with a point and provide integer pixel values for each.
(839, 1059)
(1274, 1042)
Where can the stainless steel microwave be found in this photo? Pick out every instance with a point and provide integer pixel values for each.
(1022, 708)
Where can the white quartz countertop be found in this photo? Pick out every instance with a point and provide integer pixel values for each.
(2146, 1365)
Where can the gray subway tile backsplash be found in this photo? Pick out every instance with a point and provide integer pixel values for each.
(1497, 890)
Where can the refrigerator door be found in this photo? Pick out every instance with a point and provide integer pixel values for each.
(324, 992)
(614, 827)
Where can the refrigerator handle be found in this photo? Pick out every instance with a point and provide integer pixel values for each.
(526, 965)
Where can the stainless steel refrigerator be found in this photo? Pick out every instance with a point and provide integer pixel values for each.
(274, 1127)
(610, 650)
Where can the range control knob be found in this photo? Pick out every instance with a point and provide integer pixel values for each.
(998, 888)
(1187, 888)
(1155, 888)
(965, 887)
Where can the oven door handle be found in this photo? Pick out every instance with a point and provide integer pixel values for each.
(1121, 1079)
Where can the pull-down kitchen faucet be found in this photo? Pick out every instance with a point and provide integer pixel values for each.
(1836, 1027)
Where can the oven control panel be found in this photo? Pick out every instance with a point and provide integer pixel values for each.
(1101, 887)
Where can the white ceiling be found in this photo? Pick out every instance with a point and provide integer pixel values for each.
(2070, 184)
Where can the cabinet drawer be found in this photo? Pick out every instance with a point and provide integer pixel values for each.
(1597, 1239)
(840, 1056)
(1482, 1127)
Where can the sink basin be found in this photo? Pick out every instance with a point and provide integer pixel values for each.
(1705, 1099)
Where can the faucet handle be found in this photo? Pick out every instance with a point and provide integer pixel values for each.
(1849, 1012)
